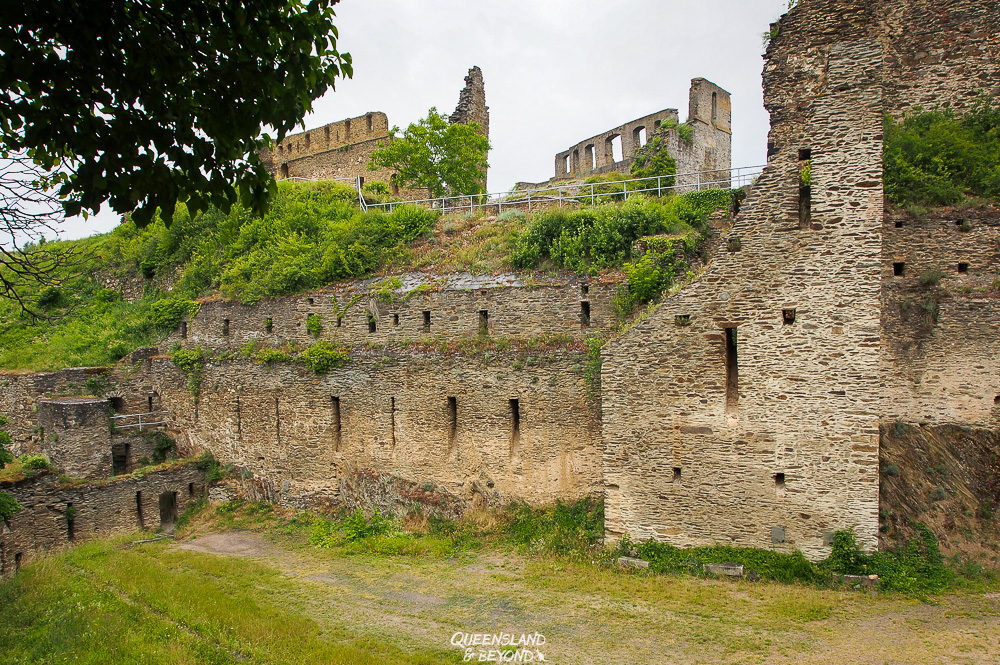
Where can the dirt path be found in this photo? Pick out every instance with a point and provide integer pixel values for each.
(592, 615)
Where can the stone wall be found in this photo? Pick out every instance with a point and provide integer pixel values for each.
(710, 118)
(123, 505)
(450, 307)
(77, 435)
(745, 410)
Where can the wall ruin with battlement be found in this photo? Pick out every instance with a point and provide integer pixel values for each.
(342, 150)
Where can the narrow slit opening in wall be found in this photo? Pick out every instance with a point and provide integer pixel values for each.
(484, 322)
(336, 422)
(584, 314)
(788, 316)
(268, 325)
(715, 106)
(452, 419)
(515, 427)
(805, 206)
(119, 459)
(584, 289)
(277, 420)
(184, 329)
(149, 403)
(898, 269)
(340, 321)
(395, 319)
(677, 475)
(190, 489)
(963, 267)
(70, 521)
(18, 557)
(138, 509)
(392, 418)
(732, 371)
(371, 122)
(225, 327)
(779, 481)
(311, 301)
(372, 327)
(427, 320)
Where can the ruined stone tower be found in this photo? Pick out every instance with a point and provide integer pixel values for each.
(472, 103)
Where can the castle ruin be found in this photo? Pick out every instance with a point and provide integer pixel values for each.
(749, 409)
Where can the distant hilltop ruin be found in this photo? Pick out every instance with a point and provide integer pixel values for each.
(341, 150)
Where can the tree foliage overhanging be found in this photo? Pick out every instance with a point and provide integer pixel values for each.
(937, 158)
(144, 103)
(446, 159)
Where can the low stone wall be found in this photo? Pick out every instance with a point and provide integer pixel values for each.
(55, 515)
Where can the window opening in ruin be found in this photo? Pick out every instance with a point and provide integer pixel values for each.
(805, 153)
(284, 170)
(395, 319)
(591, 156)
(677, 474)
(584, 314)
(805, 206)
(277, 420)
(996, 400)
(326, 130)
(310, 301)
(772, 150)
(340, 321)
(239, 417)
(184, 329)
(372, 327)
(371, 122)
(900, 224)
(614, 148)
(17, 560)
(225, 327)
(307, 141)
(138, 509)
(584, 289)
(361, 180)
(336, 422)
(395, 189)
(452, 419)
(268, 325)
(515, 427)
(898, 269)
(715, 107)
(119, 459)
(117, 404)
(639, 137)
(567, 165)
(682, 319)
(732, 372)
(656, 125)
(963, 267)
(190, 489)
(788, 316)
(392, 418)
(347, 129)
(70, 515)
(427, 321)
(484, 322)
(779, 484)
(576, 161)
(149, 403)
(168, 511)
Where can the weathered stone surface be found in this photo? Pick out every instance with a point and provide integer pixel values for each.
(726, 569)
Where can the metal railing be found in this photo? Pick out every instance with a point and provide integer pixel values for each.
(569, 194)
(140, 422)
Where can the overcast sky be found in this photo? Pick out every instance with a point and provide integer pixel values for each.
(556, 71)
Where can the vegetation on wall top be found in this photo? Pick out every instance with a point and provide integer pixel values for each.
(937, 158)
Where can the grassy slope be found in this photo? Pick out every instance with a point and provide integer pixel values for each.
(358, 603)
(314, 235)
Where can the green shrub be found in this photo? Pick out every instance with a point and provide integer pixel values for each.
(167, 314)
(35, 462)
(351, 528)
(323, 356)
(8, 506)
(192, 363)
(568, 528)
(936, 158)
(268, 356)
(314, 324)
(163, 446)
(931, 278)
(211, 467)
